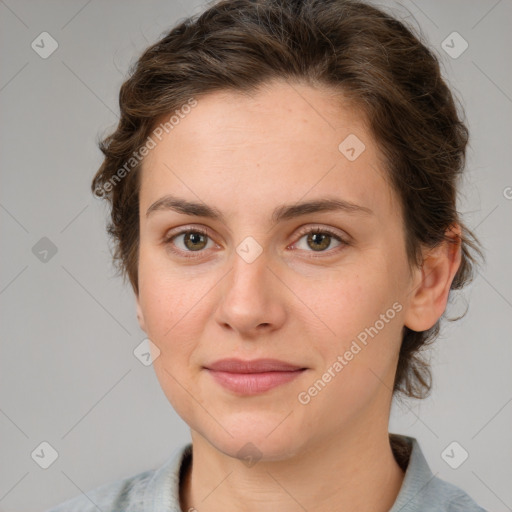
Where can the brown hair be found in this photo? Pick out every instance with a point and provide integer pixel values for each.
(351, 46)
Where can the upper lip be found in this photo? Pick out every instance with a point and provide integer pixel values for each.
(253, 366)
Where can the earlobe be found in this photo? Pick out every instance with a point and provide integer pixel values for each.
(429, 296)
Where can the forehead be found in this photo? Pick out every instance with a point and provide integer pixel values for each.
(278, 145)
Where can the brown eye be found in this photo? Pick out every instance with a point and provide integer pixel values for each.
(188, 241)
(194, 241)
(319, 241)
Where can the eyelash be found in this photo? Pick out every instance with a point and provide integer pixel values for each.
(168, 241)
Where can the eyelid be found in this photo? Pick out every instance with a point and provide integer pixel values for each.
(336, 233)
(189, 227)
(183, 230)
(344, 239)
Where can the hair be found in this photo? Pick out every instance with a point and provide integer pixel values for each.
(349, 46)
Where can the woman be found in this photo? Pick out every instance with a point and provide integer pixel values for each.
(283, 187)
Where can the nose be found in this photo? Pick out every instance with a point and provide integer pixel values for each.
(253, 299)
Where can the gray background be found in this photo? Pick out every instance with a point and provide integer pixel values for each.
(68, 373)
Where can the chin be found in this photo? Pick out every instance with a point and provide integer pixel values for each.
(251, 440)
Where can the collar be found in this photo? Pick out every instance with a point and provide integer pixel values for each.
(162, 491)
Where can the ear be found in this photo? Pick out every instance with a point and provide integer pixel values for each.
(140, 314)
(432, 282)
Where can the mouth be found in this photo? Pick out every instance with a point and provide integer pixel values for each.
(253, 377)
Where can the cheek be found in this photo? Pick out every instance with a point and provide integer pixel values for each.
(165, 299)
(352, 302)
(358, 363)
(363, 314)
(170, 310)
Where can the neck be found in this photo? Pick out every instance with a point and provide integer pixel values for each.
(355, 471)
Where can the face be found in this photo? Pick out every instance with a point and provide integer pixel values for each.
(322, 289)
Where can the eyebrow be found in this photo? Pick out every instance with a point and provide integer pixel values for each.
(283, 212)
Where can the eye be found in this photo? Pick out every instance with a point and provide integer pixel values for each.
(188, 241)
(320, 239)
(195, 240)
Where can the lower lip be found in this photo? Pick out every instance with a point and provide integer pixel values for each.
(253, 383)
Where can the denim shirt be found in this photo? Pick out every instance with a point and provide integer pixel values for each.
(157, 490)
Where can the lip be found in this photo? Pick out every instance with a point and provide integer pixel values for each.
(253, 377)
(233, 365)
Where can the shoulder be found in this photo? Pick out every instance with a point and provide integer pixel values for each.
(142, 491)
(442, 495)
(126, 494)
(421, 489)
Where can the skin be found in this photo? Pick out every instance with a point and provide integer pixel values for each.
(246, 155)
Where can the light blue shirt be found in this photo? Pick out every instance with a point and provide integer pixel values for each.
(157, 490)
